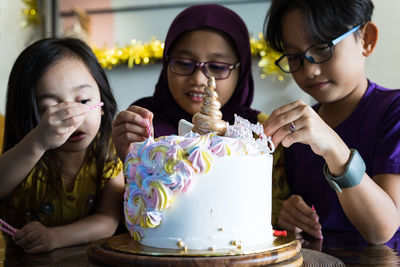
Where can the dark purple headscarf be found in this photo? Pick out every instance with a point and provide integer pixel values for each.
(167, 112)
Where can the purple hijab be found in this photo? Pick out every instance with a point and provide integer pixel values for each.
(167, 112)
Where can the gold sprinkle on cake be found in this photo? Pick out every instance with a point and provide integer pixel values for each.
(180, 243)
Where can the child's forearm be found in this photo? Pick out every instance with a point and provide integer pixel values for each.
(16, 163)
(371, 207)
(93, 227)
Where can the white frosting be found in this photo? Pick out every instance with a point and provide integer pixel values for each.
(231, 202)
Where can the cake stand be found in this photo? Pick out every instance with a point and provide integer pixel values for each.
(122, 250)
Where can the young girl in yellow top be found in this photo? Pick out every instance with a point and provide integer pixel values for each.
(61, 178)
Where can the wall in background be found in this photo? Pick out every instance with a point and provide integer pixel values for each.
(382, 66)
(13, 39)
(131, 84)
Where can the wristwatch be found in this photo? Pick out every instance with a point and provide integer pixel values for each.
(354, 172)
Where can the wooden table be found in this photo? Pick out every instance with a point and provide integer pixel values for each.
(347, 246)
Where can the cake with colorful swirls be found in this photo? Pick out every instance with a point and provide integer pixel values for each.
(203, 191)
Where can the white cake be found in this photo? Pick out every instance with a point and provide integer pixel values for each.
(201, 192)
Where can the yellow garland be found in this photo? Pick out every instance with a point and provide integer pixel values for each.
(268, 56)
(139, 53)
(31, 13)
(136, 53)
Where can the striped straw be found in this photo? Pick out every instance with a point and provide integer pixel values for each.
(8, 229)
(148, 127)
(96, 106)
(5, 230)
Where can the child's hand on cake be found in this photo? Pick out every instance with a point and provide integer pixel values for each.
(296, 216)
(132, 125)
(297, 122)
(58, 123)
(34, 237)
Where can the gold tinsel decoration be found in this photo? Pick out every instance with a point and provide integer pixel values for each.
(31, 13)
(268, 56)
(138, 53)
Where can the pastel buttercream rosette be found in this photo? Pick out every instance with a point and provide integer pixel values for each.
(155, 170)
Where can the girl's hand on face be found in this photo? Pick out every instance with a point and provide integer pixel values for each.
(34, 237)
(129, 126)
(309, 128)
(59, 122)
(296, 216)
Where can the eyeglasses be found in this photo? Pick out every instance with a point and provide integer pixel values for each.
(316, 54)
(185, 66)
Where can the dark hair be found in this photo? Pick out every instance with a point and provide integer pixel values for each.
(323, 19)
(21, 108)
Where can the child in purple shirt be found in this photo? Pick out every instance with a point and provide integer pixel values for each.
(343, 155)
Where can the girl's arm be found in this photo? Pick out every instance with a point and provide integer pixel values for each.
(35, 238)
(373, 206)
(16, 163)
(55, 127)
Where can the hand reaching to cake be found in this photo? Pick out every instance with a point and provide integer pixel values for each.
(209, 119)
(131, 125)
(296, 216)
(297, 122)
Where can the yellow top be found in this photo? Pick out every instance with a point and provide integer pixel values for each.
(66, 207)
(280, 187)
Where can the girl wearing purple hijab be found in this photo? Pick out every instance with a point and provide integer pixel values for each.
(203, 40)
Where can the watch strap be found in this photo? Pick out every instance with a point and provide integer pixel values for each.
(352, 176)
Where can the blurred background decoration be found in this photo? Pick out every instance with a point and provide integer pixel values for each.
(81, 28)
(137, 52)
(31, 13)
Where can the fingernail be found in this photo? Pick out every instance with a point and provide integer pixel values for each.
(144, 122)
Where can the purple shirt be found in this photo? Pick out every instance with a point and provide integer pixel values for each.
(373, 129)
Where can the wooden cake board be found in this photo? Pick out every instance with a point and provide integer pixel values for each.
(123, 250)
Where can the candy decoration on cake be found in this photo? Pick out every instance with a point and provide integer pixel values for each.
(148, 127)
(279, 233)
(209, 119)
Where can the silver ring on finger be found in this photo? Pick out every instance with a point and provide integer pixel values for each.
(292, 126)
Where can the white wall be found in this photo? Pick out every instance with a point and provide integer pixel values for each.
(131, 84)
(383, 66)
(13, 39)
